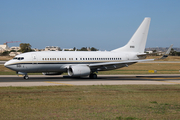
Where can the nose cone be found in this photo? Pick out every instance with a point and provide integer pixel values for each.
(8, 64)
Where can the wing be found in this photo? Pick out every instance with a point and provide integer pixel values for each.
(115, 65)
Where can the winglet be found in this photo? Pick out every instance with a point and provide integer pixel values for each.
(166, 53)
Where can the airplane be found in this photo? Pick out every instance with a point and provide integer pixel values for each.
(84, 63)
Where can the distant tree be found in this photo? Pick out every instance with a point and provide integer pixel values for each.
(12, 51)
(83, 49)
(173, 52)
(154, 51)
(74, 48)
(25, 47)
(93, 49)
(5, 53)
(178, 53)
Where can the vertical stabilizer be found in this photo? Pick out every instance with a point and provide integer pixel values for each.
(137, 42)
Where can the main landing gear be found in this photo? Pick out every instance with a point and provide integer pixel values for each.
(93, 76)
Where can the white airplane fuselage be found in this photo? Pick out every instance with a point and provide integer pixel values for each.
(58, 61)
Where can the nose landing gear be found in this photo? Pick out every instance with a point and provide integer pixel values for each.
(23, 73)
(26, 77)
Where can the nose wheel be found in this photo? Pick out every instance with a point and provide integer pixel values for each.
(26, 77)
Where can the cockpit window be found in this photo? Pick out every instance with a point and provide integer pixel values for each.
(18, 58)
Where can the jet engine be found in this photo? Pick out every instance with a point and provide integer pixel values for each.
(51, 73)
(79, 70)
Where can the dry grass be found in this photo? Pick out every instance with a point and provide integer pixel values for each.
(142, 68)
(128, 102)
(169, 58)
(6, 58)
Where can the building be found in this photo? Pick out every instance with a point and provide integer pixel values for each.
(4, 47)
(67, 49)
(14, 53)
(149, 52)
(14, 48)
(52, 48)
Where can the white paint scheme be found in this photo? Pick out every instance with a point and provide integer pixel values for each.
(81, 63)
(138, 40)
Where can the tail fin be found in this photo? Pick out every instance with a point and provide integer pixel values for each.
(137, 42)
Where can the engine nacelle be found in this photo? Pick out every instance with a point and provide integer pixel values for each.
(79, 70)
(51, 73)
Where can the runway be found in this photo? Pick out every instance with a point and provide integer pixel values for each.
(41, 80)
(2, 62)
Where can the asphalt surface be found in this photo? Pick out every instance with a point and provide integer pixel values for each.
(41, 80)
(2, 62)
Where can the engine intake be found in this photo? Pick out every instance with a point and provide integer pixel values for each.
(79, 70)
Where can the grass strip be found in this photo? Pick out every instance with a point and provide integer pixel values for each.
(123, 102)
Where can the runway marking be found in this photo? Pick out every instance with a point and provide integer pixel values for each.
(161, 78)
(169, 82)
(59, 83)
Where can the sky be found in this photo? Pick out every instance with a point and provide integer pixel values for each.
(103, 24)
